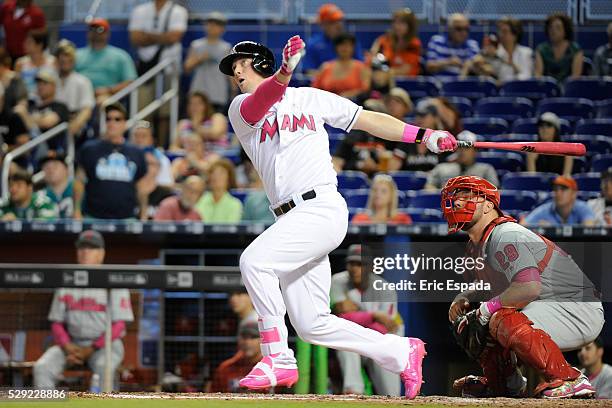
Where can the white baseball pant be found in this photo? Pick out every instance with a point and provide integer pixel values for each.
(384, 382)
(286, 269)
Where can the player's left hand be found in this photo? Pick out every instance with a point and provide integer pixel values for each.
(471, 334)
(292, 53)
(440, 141)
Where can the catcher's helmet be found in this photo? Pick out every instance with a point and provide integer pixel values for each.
(480, 189)
(263, 58)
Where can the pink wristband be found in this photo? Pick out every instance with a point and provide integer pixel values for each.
(414, 134)
(494, 305)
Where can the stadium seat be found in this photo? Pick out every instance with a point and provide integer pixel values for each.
(513, 200)
(335, 139)
(425, 215)
(508, 108)
(588, 181)
(463, 104)
(502, 160)
(601, 162)
(352, 180)
(425, 199)
(579, 165)
(233, 154)
(545, 87)
(486, 126)
(527, 181)
(604, 108)
(419, 87)
(357, 198)
(530, 126)
(571, 109)
(515, 137)
(409, 180)
(594, 127)
(473, 88)
(240, 193)
(588, 195)
(595, 144)
(592, 88)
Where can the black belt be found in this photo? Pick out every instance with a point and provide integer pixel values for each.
(286, 207)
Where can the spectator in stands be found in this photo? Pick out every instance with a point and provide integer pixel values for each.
(450, 117)
(549, 128)
(142, 136)
(110, 69)
(256, 204)
(602, 206)
(602, 61)
(196, 161)
(348, 288)
(415, 156)
(109, 172)
(19, 18)
(230, 371)
(564, 209)
(47, 112)
(241, 305)
(13, 132)
(599, 374)
(203, 121)
(486, 63)
(462, 164)
(156, 30)
(181, 207)
(73, 89)
(36, 58)
(447, 53)
(361, 151)
(24, 203)
(560, 57)
(218, 205)
(59, 185)
(151, 194)
(78, 322)
(400, 45)
(345, 75)
(203, 60)
(518, 59)
(14, 88)
(382, 206)
(382, 80)
(321, 46)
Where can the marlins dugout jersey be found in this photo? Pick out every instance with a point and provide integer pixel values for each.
(289, 147)
(512, 248)
(84, 310)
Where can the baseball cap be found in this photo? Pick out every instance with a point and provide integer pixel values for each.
(249, 329)
(217, 17)
(90, 239)
(100, 22)
(354, 253)
(47, 75)
(21, 175)
(329, 13)
(53, 156)
(467, 136)
(118, 106)
(550, 118)
(65, 47)
(565, 181)
(426, 107)
(401, 95)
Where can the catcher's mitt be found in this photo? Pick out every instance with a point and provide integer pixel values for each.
(470, 334)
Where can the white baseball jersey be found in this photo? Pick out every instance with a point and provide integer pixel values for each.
(84, 310)
(289, 147)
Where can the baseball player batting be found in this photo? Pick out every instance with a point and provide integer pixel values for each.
(286, 269)
(546, 306)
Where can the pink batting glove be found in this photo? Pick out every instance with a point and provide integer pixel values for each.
(440, 141)
(292, 53)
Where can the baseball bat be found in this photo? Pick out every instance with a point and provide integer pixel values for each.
(551, 148)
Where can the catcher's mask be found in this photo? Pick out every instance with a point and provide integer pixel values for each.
(460, 196)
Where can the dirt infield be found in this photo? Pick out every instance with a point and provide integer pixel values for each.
(347, 400)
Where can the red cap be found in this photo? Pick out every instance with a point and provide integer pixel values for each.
(100, 22)
(567, 182)
(329, 13)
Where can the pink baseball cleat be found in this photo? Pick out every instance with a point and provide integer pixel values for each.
(266, 375)
(412, 376)
(578, 388)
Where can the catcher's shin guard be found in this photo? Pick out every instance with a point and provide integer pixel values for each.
(534, 347)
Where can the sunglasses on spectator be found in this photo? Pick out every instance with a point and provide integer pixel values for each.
(97, 29)
(115, 119)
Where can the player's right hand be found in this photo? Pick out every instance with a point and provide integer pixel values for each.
(458, 307)
(292, 53)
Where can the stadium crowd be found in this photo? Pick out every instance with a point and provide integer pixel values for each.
(497, 89)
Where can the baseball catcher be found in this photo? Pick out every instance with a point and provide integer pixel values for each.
(543, 302)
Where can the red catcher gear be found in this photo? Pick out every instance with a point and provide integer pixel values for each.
(534, 347)
(481, 189)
